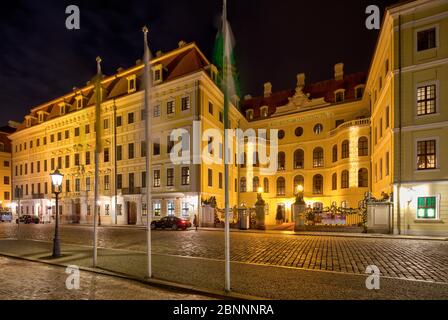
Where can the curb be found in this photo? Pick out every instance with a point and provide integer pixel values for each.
(162, 284)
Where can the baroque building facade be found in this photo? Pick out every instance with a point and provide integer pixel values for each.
(380, 132)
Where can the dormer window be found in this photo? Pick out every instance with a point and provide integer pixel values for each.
(214, 73)
(41, 116)
(339, 96)
(157, 73)
(62, 109)
(79, 102)
(264, 112)
(28, 122)
(359, 92)
(250, 114)
(132, 84)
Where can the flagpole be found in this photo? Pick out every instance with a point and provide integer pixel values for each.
(226, 152)
(97, 158)
(147, 84)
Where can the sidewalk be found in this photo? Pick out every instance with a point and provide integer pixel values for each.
(206, 276)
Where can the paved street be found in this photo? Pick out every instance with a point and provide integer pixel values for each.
(396, 258)
(23, 280)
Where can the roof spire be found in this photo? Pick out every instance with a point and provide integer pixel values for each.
(98, 65)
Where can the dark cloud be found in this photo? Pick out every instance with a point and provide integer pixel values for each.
(40, 59)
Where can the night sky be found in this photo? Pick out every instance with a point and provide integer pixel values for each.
(40, 59)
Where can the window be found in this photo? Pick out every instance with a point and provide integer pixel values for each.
(264, 112)
(156, 111)
(281, 161)
(143, 176)
(249, 114)
(376, 135)
(45, 141)
(77, 185)
(266, 185)
(38, 166)
(119, 181)
(77, 132)
(426, 39)
(67, 185)
(318, 184)
(131, 151)
(131, 180)
(2, 146)
(45, 165)
(185, 176)
(169, 145)
(221, 117)
(220, 180)
(157, 208)
(345, 152)
(381, 127)
(170, 177)
(243, 185)
(298, 181)
(52, 164)
(386, 67)
(171, 208)
(77, 162)
(339, 96)
(387, 164)
(156, 148)
(334, 181)
(185, 103)
(131, 84)
(6, 164)
(210, 146)
(67, 162)
(299, 159)
(426, 100)
(210, 108)
(299, 132)
(59, 136)
(119, 121)
(255, 184)
(318, 157)
(106, 182)
(156, 179)
(363, 178)
(427, 208)
(106, 155)
(281, 187)
(106, 124)
(131, 118)
(87, 158)
(359, 92)
(158, 75)
(6, 180)
(387, 122)
(281, 134)
(381, 169)
(335, 153)
(170, 107)
(318, 128)
(87, 129)
(67, 134)
(426, 155)
(210, 177)
(143, 149)
(7, 195)
(344, 179)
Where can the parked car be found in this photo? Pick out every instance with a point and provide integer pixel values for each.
(173, 223)
(27, 219)
(6, 217)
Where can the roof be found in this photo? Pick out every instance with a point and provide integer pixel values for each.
(323, 89)
(182, 61)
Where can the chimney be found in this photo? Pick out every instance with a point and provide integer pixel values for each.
(267, 89)
(247, 97)
(339, 71)
(300, 80)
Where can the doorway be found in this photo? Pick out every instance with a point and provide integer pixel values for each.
(77, 215)
(132, 212)
(280, 217)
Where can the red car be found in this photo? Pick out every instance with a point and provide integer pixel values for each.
(173, 223)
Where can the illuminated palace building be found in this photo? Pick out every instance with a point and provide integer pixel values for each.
(379, 132)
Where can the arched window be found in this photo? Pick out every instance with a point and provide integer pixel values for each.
(281, 161)
(281, 187)
(299, 159)
(334, 181)
(255, 184)
(318, 128)
(318, 157)
(298, 181)
(363, 147)
(266, 185)
(243, 185)
(344, 179)
(363, 178)
(345, 153)
(335, 153)
(318, 184)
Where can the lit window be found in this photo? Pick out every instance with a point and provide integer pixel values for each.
(363, 178)
(185, 103)
(318, 158)
(299, 159)
(157, 208)
(156, 179)
(171, 208)
(170, 177)
(281, 187)
(318, 184)
(426, 100)
(345, 153)
(170, 107)
(156, 112)
(426, 155)
(427, 208)
(318, 128)
(363, 147)
(185, 176)
(344, 179)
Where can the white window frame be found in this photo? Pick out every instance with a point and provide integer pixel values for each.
(416, 31)
(416, 141)
(130, 79)
(437, 106)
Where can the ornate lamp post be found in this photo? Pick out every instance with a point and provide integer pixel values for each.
(56, 181)
(299, 208)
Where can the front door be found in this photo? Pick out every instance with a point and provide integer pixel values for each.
(77, 215)
(280, 217)
(132, 213)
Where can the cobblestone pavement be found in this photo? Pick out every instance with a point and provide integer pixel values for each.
(396, 258)
(48, 283)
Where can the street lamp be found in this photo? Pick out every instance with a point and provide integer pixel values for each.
(56, 181)
(299, 195)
